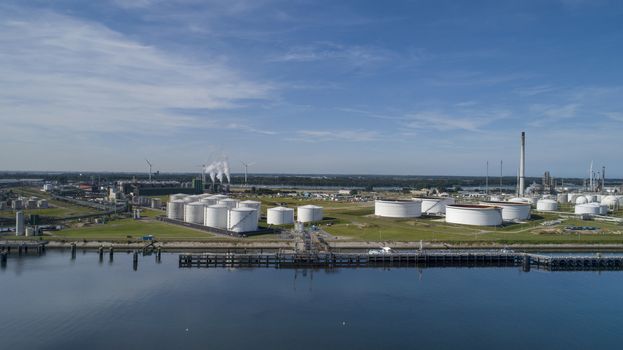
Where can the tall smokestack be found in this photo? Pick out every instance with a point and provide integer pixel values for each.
(522, 165)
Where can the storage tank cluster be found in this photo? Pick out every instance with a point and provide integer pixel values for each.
(396, 208)
(591, 209)
(512, 211)
(477, 215)
(217, 211)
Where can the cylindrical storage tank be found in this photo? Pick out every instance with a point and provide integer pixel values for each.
(242, 220)
(229, 202)
(19, 223)
(573, 197)
(478, 215)
(280, 216)
(512, 211)
(309, 213)
(547, 205)
(603, 209)
(42, 204)
(563, 198)
(156, 203)
(435, 206)
(587, 208)
(610, 201)
(252, 204)
(518, 200)
(620, 200)
(175, 209)
(194, 213)
(581, 200)
(590, 198)
(396, 208)
(177, 196)
(216, 216)
(31, 204)
(208, 201)
(191, 199)
(218, 197)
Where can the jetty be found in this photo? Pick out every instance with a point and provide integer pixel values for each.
(399, 259)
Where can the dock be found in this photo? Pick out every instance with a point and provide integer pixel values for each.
(413, 259)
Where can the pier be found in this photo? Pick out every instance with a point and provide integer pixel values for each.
(414, 259)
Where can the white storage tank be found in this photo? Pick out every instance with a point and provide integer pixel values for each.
(218, 197)
(19, 223)
(603, 209)
(309, 213)
(610, 201)
(177, 196)
(216, 216)
(435, 205)
(397, 208)
(587, 208)
(242, 220)
(512, 211)
(208, 201)
(175, 209)
(252, 204)
(280, 216)
(547, 205)
(581, 200)
(156, 203)
(591, 198)
(42, 204)
(194, 213)
(563, 198)
(229, 202)
(478, 215)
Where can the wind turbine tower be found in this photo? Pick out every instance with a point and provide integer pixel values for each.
(149, 169)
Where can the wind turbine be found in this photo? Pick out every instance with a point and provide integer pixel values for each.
(246, 170)
(149, 169)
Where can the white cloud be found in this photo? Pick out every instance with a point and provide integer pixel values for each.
(464, 121)
(356, 55)
(336, 135)
(74, 75)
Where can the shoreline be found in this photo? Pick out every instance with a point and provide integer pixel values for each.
(181, 246)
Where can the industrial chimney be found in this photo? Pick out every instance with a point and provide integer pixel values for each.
(522, 165)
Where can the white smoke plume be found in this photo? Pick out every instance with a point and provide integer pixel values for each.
(217, 170)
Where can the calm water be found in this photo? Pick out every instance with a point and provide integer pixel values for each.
(52, 302)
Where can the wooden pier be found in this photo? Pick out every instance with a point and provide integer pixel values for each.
(417, 259)
(24, 247)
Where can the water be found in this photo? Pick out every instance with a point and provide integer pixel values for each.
(52, 302)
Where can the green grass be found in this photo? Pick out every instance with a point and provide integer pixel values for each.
(57, 209)
(120, 229)
(358, 224)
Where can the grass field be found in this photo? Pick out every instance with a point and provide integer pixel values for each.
(57, 209)
(121, 229)
(360, 224)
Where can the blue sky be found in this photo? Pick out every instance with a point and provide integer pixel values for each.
(366, 87)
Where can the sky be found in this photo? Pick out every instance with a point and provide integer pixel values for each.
(312, 86)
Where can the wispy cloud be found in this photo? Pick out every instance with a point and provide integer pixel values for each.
(336, 135)
(552, 113)
(473, 121)
(79, 76)
(327, 51)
